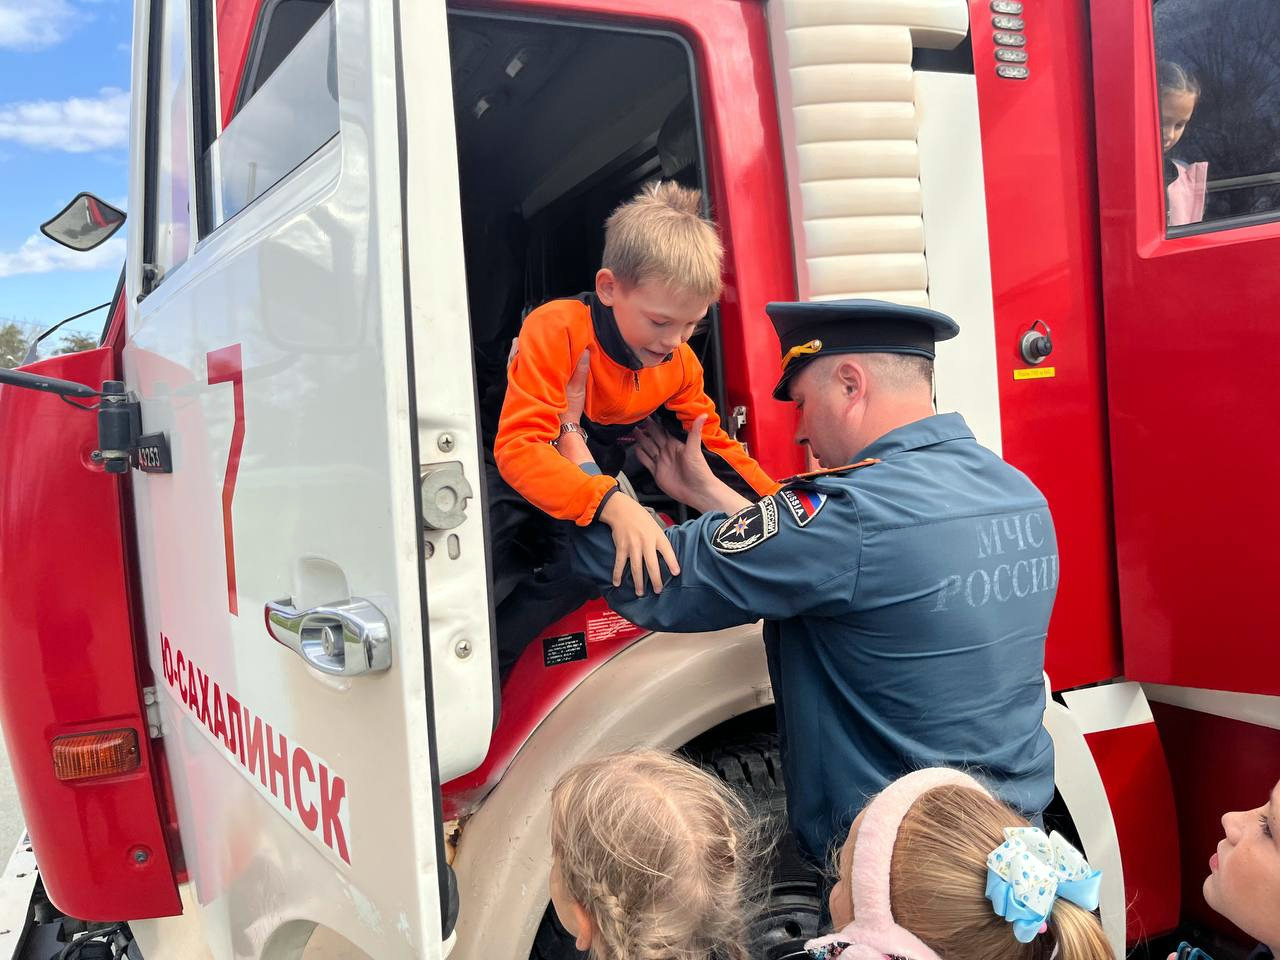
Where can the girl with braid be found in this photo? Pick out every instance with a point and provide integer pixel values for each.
(651, 859)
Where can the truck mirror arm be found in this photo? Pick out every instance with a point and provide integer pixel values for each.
(121, 442)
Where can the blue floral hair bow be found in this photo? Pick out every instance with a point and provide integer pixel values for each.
(1029, 871)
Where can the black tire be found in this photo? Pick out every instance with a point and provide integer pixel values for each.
(792, 911)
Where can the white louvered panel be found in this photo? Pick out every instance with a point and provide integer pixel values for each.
(839, 236)
(941, 23)
(867, 197)
(814, 46)
(846, 97)
(851, 82)
(855, 121)
(856, 274)
(871, 158)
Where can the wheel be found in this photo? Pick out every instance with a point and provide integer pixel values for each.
(792, 912)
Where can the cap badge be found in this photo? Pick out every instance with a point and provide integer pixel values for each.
(802, 350)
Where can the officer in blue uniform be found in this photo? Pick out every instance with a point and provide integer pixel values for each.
(906, 588)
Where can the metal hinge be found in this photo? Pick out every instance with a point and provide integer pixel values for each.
(737, 421)
(155, 729)
(150, 279)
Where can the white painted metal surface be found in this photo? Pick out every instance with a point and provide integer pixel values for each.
(308, 283)
(1255, 708)
(846, 104)
(955, 244)
(662, 692)
(1108, 707)
(17, 883)
(457, 576)
(884, 170)
(1075, 773)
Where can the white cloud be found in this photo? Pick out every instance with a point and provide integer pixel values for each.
(38, 254)
(34, 24)
(77, 125)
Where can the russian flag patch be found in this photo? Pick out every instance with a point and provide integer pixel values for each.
(803, 504)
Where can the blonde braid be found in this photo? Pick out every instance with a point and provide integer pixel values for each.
(659, 853)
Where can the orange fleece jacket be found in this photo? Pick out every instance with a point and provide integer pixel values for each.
(551, 341)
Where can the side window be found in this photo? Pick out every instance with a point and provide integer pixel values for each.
(167, 233)
(269, 97)
(1218, 80)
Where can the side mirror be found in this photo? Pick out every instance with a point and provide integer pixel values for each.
(84, 223)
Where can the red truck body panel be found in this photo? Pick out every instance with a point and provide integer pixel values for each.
(70, 663)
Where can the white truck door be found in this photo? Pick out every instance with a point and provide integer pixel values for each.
(298, 351)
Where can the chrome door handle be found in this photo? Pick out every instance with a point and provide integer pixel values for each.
(345, 639)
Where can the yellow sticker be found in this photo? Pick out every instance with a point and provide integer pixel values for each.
(1034, 373)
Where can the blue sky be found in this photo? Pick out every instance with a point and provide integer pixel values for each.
(64, 118)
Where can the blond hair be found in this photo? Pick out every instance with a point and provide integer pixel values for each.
(937, 885)
(659, 853)
(661, 235)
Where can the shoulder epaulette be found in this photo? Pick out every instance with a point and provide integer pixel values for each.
(829, 471)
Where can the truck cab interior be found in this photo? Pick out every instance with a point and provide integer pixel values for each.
(557, 125)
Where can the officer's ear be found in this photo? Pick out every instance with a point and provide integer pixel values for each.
(850, 376)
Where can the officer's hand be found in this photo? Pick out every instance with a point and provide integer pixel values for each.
(575, 391)
(638, 541)
(678, 467)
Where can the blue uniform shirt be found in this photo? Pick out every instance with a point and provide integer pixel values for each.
(908, 602)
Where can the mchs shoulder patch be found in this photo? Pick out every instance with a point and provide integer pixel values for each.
(803, 504)
(748, 528)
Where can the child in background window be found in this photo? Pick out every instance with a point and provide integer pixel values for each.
(1184, 182)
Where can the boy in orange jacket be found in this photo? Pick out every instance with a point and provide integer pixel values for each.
(660, 274)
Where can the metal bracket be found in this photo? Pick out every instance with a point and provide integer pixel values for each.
(155, 727)
(121, 443)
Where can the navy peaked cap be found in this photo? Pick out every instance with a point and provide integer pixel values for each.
(811, 329)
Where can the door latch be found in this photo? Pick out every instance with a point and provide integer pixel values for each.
(344, 639)
(445, 492)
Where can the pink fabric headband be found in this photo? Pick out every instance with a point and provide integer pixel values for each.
(874, 933)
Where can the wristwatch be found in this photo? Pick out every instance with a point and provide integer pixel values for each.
(568, 428)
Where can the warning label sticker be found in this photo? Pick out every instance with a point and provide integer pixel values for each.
(608, 625)
(567, 648)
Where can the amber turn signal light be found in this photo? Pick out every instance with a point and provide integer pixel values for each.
(89, 755)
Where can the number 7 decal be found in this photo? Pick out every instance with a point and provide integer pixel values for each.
(225, 367)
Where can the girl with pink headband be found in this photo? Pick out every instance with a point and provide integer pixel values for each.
(936, 868)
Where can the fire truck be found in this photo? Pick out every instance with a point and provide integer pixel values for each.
(249, 691)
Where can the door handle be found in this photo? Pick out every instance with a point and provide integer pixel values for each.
(345, 639)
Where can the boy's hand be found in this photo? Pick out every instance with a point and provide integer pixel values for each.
(638, 541)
